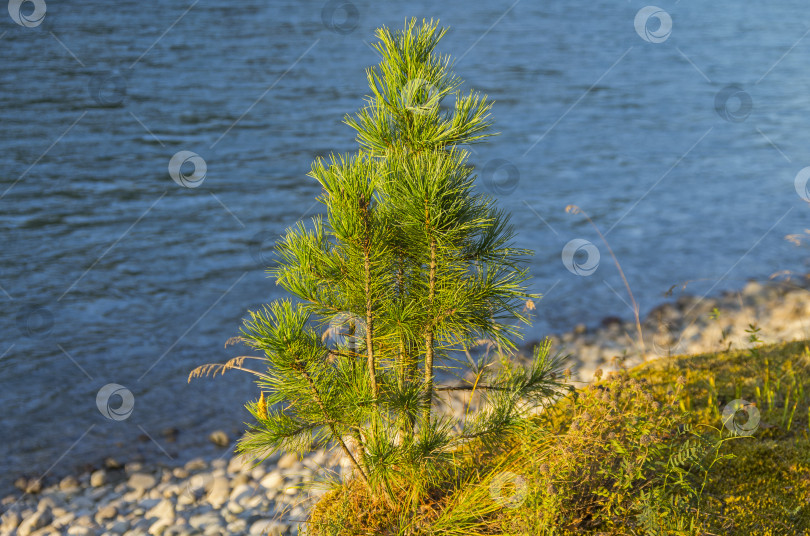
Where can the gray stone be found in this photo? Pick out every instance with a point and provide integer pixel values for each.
(82, 502)
(98, 494)
(149, 503)
(119, 527)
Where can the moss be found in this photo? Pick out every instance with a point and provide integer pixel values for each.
(762, 488)
(765, 488)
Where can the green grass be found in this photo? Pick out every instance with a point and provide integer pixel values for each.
(640, 452)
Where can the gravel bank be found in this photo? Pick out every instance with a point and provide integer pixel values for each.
(214, 498)
(692, 324)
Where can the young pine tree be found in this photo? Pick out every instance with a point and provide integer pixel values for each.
(408, 268)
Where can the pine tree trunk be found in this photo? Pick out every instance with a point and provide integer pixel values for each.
(429, 350)
(372, 364)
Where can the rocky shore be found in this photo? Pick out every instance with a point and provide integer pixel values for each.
(773, 311)
(229, 496)
(213, 498)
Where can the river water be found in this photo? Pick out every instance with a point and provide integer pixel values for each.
(681, 138)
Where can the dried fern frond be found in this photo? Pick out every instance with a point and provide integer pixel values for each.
(235, 363)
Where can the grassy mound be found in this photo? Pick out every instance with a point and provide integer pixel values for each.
(645, 451)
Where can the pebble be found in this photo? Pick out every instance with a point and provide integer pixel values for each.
(77, 530)
(64, 520)
(219, 438)
(112, 464)
(98, 478)
(197, 464)
(164, 510)
(69, 483)
(288, 461)
(34, 521)
(204, 520)
(272, 480)
(9, 521)
(29, 485)
(220, 492)
(141, 481)
(106, 513)
(159, 527)
(239, 464)
(267, 527)
(239, 479)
